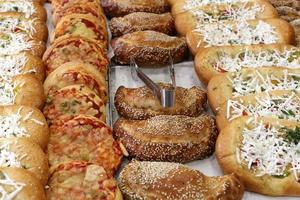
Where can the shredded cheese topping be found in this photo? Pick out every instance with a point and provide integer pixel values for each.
(283, 107)
(265, 150)
(12, 43)
(12, 65)
(7, 91)
(25, 7)
(13, 24)
(252, 83)
(238, 33)
(249, 59)
(8, 158)
(190, 4)
(14, 187)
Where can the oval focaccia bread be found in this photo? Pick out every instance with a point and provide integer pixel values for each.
(72, 100)
(67, 49)
(119, 8)
(24, 122)
(148, 48)
(250, 81)
(21, 153)
(82, 181)
(219, 60)
(280, 104)
(27, 8)
(140, 103)
(89, 7)
(22, 63)
(168, 138)
(200, 16)
(18, 23)
(267, 31)
(76, 73)
(13, 43)
(164, 180)
(59, 4)
(99, 147)
(82, 25)
(263, 153)
(19, 184)
(18, 90)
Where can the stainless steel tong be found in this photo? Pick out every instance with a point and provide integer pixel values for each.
(166, 96)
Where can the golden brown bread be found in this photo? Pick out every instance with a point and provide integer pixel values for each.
(142, 21)
(140, 103)
(118, 8)
(168, 138)
(267, 31)
(244, 148)
(163, 180)
(148, 48)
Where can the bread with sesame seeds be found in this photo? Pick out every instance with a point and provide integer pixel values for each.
(140, 103)
(168, 138)
(171, 181)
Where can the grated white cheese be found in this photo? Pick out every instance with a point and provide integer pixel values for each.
(249, 83)
(283, 107)
(265, 150)
(7, 91)
(14, 187)
(238, 33)
(12, 65)
(190, 4)
(10, 126)
(12, 24)
(8, 158)
(12, 43)
(248, 59)
(25, 7)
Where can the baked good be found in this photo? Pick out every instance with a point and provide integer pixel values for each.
(289, 3)
(79, 7)
(287, 13)
(263, 153)
(18, 91)
(250, 81)
(142, 21)
(200, 16)
(72, 100)
(82, 25)
(118, 8)
(22, 63)
(21, 153)
(168, 138)
(24, 122)
(280, 104)
(80, 180)
(296, 25)
(84, 138)
(76, 73)
(59, 4)
(219, 60)
(13, 43)
(149, 48)
(17, 23)
(163, 180)
(267, 31)
(82, 49)
(18, 184)
(28, 8)
(140, 103)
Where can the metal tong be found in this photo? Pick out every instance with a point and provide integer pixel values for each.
(166, 96)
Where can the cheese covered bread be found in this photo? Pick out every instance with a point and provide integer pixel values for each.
(218, 60)
(264, 153)
(84, 138)
(250, 81)
(140, 103)
(198, 17)
(79, 180)
(164, 180)
(267, 31)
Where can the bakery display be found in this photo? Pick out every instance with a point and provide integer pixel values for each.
(263, 153)
(81, 180)
(168, 138)
(163, 180)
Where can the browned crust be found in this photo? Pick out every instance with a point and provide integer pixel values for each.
(142, 21)
(118, 8)
(226, 156)
(148, 47)
(190, 102)
(194, 143)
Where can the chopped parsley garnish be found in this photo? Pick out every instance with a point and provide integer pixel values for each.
(294, 56)
(292, 136)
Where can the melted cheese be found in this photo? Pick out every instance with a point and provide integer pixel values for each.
(264, 150)
(25, 7)
(11, 24)
(249, 59)
(15, 187)
(12, 43)
(238, 33)
(190, 4)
